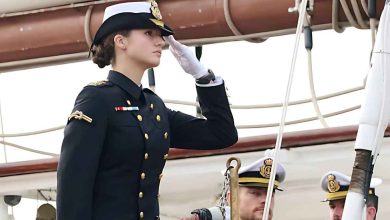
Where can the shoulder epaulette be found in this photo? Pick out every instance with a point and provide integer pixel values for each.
(100, 83)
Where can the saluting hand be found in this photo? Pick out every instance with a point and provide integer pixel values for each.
(186, 58)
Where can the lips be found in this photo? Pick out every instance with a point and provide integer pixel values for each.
(259, 208)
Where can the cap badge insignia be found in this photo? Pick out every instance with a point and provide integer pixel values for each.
(265, 170)
(155, 11)
(333, 185)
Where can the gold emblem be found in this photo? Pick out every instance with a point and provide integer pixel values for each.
(80, 116)
(155, 11)
(157, 22)
(98, 83)
(265, 170)
(333, 185)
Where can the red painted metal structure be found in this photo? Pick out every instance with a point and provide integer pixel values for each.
(62, 32)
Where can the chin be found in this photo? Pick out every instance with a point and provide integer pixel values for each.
(258, 215)
(152, 64)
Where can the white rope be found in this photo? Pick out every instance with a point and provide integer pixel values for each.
(302, 15)
(87, 24)
(313, 91)
(358, 15)
(2, 133)
(358, 23)
(232, 26)
(271, 105)
(33, 132)
(28, 149)
(365, 6)
(335, 17)
(373, 25)
(313, 95)
(348, 14)
(188, 103)
(298, 121)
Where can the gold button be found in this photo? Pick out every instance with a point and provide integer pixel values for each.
(158, 118)
(139, 117)
(143, 175)
(128, 102)
(146, 136)
(140, 195)
(151, 106)
(165, 156)
(146, 156)
(166, 135)
(161, 175)
(141, 214)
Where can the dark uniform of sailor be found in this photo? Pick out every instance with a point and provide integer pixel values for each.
(116, 144)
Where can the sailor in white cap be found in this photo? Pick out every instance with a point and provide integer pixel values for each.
(117, 139)
(336, 185)
(253, 183)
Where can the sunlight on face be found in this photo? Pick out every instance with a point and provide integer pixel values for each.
(144, 46)
(252, 203)
(336, 209)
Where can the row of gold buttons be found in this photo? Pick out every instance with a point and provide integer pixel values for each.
(158, 118)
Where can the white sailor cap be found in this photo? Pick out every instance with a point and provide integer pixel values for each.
(131, 15)
(336, 185)
(258, 173)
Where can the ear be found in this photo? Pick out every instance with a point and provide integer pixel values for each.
(120, 41)
(371, 211)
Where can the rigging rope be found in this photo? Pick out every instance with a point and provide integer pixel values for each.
(299, 120)
(28, 149)
(302, 15)
(232, 26)
(309, 46)
(312, 90)
(33, 132)
(87, 24)
(358, 15)
(272, 105)
(2, 133)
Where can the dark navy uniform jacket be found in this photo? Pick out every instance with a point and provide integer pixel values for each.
(110, 168)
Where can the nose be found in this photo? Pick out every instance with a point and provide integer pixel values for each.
(159, 41)
(337, 213)
(262, 199)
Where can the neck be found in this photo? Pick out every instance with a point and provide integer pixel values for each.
(132, 70)
(130, 73)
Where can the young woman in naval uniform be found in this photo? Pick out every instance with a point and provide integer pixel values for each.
(117, 138)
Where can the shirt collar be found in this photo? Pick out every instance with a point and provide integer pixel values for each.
(125, 83)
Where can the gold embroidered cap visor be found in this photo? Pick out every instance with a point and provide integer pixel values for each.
(129, 21)
(342, 195)
(256, 182)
